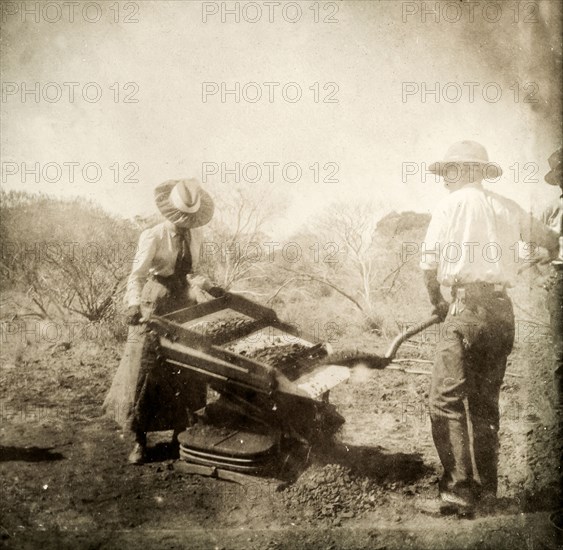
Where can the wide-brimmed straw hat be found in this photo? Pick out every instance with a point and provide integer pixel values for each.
(468, 153)
(184, 203)
(553, 177)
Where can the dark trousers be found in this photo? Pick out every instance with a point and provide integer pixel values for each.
(477, 338)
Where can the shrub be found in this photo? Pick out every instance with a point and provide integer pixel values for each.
(66, 256)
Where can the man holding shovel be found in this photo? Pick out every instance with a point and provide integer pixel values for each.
(471, 246)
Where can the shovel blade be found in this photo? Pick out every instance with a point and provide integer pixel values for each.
(353, 359)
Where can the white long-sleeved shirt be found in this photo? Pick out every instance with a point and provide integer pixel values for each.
(475, 236)
(158, 249)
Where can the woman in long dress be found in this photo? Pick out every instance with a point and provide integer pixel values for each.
(145, 395)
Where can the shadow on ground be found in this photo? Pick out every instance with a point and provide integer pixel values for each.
(29, 454)
(161, 452)
(377, 463)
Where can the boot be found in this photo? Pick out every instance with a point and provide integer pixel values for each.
(447, 504)
(139, 452)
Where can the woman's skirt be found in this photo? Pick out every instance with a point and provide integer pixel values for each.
(148, 394)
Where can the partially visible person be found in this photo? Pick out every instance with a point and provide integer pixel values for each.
(553, 217)
(469, 247)
(144, 398)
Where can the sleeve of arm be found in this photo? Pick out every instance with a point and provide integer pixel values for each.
(547, 215)
(538, 234)
(430, 250)
(140, 270)
(430, 257)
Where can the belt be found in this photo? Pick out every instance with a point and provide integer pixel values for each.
(171, 281)
(480, 287)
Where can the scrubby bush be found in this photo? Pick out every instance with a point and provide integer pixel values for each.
(64, 256)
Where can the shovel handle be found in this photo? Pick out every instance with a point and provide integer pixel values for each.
(395, 344)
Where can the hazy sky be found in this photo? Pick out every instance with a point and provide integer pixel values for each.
(372, 50)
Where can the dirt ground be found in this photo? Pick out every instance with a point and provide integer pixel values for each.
(65, 481)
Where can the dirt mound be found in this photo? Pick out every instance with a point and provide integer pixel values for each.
(333, 491)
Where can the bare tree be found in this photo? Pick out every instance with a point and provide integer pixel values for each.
(361, 269)
(80, 268)
(236, 243)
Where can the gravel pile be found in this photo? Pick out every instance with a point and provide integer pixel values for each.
(333, 492)
(225, 330)
(352, 358)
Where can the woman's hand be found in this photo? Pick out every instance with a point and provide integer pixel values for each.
(199, 281)
(133, 315)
